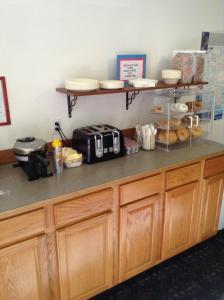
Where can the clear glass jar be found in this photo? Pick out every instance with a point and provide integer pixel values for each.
(185, 62)
(182, 117)
(199, 66)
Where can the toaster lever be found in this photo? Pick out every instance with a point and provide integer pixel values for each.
(116, 141)
(98, 144)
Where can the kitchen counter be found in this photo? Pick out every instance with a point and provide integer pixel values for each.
(18, 192)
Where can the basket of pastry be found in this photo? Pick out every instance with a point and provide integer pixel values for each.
(195, 106)
(178, 130)
(165, 124)
(179, 135)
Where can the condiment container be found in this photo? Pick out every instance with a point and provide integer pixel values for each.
(57, 151)
(74, 163)
(131, 146)
(71, 158)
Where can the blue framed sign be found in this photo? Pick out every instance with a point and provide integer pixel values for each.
(131, 66)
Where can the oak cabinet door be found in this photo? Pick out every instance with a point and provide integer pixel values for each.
(23, 271)
(211, 202)
(181, 216)
(139, 236)
(85, 257)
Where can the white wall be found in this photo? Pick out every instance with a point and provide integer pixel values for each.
(44, 42)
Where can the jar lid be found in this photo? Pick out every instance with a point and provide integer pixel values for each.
(56, 143)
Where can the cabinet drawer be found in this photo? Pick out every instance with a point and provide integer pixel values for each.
(23, 226)
(183, 175)
(140, 189)
(83, 207)
(214, 166)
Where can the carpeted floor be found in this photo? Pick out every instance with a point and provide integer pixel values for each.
(197, 274)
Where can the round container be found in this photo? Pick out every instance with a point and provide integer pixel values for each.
(81, 84)
(73, 163)
(171, 76)
(111, 84)
(71, 158)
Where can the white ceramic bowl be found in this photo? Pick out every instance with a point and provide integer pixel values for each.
(111, 84)
(81, 84)
(171, 76)
(171, 81)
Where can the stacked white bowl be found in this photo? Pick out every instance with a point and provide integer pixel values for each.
(171, 76)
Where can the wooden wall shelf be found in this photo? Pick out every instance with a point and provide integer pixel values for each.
(130, 92)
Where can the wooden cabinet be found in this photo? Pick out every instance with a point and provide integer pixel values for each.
(24, 271)
(180, 219)
(139, 236)
(86, 257)
(183, 175)
(76, 246)
(214, 166)
(22, 227)
(85, 207)
(140, 189)
(211, 202)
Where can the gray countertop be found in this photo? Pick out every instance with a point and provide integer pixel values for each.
(17, 192)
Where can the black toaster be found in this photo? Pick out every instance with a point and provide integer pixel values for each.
(98, 142)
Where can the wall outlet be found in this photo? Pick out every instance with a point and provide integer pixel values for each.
(54, 125)
(57, 125)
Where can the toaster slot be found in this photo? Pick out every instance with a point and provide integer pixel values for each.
(99, 128)
(93, 129)
(98, 144)
(86, 131)
(109, 127)
(116, 141)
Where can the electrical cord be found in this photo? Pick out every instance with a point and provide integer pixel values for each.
(58, 130)
(59, 127)
(62, 135)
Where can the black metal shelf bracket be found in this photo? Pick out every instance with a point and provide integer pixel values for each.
(71, 104)
(130, 97)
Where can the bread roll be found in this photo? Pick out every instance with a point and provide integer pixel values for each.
(157, 109)
(197, 131)
(175, 122)
(172, 124)
(194, 106)
(167, 137)
(183, 134)
(187, 121)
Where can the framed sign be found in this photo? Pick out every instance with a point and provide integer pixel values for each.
(131, 67)
(4, 105)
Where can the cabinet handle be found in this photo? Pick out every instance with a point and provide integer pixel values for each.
(197, 120)
(191, 123)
